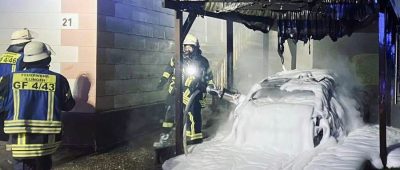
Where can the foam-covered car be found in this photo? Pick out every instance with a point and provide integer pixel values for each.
(292, 111)
(290, 120)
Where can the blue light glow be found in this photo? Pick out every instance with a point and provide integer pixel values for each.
(381, 28)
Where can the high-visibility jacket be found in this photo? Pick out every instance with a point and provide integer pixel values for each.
(33, 100)
(196, 74)
(11, 61)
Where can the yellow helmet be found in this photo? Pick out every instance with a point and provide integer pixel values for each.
(191, 40)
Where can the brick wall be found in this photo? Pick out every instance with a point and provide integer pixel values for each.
(135, 41)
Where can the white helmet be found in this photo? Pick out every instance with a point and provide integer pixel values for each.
(21, 36)
(35, 51)
(191, 40)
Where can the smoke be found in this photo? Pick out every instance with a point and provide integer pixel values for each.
(251, 62)
(249, 68)
(354, 60)
(342, 67)
(248, 73)
(349, 90)
(218, 119)
(395, 116)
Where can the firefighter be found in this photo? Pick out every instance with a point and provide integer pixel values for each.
(33, 100)
(197, 75)
(11, 61)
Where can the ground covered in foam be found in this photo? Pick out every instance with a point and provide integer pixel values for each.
(358, 147)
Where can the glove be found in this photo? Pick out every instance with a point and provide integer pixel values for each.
(213, 91)
(210, 87)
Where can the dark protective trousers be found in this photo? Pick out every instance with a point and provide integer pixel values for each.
(194, 119)
(39, 163)
(194, 122)
(3, 136)
(169, 119)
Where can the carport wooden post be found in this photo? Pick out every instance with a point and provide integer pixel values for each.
(265, 53)
(383, 85)
(180, 34)
(389, 19)
(178, 83)
(293, 53)
(229, 53)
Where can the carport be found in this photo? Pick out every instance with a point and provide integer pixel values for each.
(299, 20)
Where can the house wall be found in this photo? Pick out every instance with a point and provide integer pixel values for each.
(135, 42)
(69, 27)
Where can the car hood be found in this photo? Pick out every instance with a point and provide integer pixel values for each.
(256, 125)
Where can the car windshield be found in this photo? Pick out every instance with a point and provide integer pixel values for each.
(270, 89)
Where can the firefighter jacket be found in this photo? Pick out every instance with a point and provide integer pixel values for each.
(11, 61)
(196, 75)
(33, 100)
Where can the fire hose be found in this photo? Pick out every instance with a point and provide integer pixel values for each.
(185, 112)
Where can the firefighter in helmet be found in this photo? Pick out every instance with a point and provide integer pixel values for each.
(197, 75)
(32, 100)
(11, 61)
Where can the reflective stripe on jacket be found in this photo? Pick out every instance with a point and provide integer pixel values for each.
(33, 100)
(26, 145)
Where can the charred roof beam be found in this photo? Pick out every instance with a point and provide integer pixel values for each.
(239, 1)
(278, 6)
(197, 7)
(188, 24)
(285, 1)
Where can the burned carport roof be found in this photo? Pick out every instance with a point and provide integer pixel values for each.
(295, 19)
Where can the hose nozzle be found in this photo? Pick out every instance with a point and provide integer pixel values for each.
(224, 94)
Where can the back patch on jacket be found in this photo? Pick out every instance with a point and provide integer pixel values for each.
(34, 81)
(9, 58)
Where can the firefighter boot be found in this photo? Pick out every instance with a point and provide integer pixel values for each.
(166, 139)
(162, 142)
